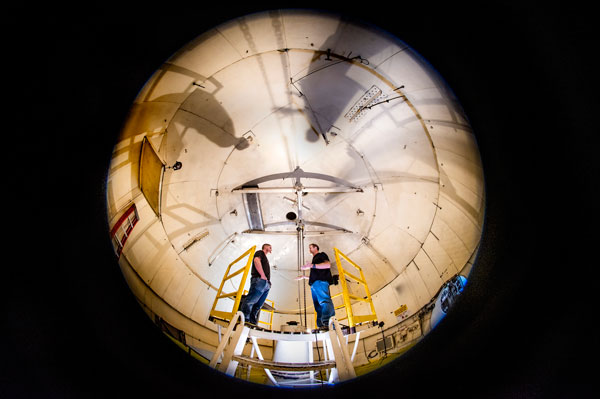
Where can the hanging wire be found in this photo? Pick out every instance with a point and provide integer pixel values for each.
(319, 354)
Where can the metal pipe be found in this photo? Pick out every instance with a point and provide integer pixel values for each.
(283, 190)
(300, 229)
(298, 271)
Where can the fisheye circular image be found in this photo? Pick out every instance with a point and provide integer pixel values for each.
(296, 198)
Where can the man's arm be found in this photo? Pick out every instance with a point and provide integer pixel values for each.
(323, 265)
(323, 260)
(259, 269)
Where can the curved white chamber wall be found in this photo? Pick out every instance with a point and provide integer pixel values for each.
(266, 94)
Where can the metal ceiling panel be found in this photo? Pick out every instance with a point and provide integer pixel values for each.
(231, 115)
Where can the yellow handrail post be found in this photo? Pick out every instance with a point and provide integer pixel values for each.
(352, 319)
(238, 295)
(270, 311)
(362, 276)
(270, 323)
(345, 296)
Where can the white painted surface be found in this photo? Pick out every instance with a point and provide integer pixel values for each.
(416, 158)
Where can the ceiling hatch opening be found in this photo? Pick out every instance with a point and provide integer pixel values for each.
(329, 210)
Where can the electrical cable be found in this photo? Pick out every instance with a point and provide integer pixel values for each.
(384, 101)
(365, 350)
(319, 354)
(341, 58)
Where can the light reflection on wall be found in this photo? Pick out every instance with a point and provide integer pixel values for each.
(271, 92)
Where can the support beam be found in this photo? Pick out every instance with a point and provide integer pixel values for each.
(292, 190)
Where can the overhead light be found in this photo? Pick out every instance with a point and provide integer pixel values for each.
(176, 166)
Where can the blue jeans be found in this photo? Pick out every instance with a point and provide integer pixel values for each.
(322, 301)
(259, 289)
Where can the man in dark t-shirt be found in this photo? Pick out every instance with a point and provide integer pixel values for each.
(260, 284)
(319, 280)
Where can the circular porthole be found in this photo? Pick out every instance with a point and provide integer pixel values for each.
(291, 216)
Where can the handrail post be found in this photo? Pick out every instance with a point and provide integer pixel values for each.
(352, 319)
(215, 358)
(238, 295)
(344, 365)
(345, 296)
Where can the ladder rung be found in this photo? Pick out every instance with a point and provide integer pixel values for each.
(267, 364)
(362, 319)
(354, 277)
(227, 316)
(234, 274)
(227, 295)
(352, 263)
(358, 298)
(267, 308)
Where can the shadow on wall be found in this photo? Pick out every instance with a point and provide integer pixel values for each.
(201, 98)
(215, 114)
(193, 98)
(148, 115)
(315, 85)
(335, 57)
(322, 94)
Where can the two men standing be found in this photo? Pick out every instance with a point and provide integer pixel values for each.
(319, 280)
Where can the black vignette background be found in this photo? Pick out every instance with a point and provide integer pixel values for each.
(527, 78)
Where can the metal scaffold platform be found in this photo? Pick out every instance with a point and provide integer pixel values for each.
(336, 363)
(293, 362)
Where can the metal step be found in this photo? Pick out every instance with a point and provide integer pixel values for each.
(267, 364)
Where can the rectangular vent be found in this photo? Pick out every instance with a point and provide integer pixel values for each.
(373, 96)
(389, 344)
(195, 239)
(253, 211)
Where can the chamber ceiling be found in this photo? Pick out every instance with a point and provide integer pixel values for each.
(275, 91)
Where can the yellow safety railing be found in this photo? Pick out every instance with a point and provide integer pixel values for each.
(270, 308)
(342, 306)
(270, 311)
(353, 319)
(236, 295)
